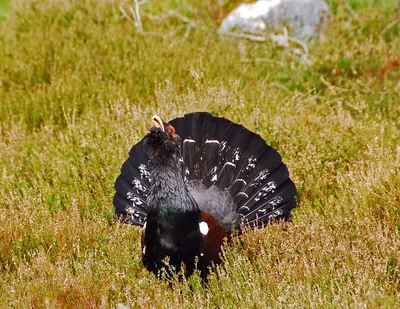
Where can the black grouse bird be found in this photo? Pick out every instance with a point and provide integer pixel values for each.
(193, 181)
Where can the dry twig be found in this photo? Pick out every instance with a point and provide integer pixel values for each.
(280, 39)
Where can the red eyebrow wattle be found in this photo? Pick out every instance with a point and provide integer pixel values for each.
(172, 130)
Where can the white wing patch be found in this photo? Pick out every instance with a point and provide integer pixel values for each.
(203, 228)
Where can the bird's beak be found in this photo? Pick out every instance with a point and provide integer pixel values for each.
(157, 122)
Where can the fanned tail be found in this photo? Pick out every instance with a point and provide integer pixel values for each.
(231, 172)
(219, 153)
(132, 187)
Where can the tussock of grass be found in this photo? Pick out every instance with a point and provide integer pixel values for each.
(77, 87)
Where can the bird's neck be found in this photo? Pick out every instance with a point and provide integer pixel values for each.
(168, 189)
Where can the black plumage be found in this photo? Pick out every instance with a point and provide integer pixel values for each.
(192, 182)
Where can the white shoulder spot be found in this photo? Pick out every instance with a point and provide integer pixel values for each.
(203, 228)
(144, 250)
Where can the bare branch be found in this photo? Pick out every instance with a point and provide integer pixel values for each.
(137, 11)
(330, 86)
(390, 25)
(356, 17)
(127, 16)
(281, 39)
(186, 33)
(157, 18)
(262, 60)
(245, 36)
(136, 21)
(302, 44)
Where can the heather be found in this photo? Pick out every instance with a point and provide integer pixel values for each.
(78, 86)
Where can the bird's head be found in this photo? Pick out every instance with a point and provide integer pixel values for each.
(162, 140)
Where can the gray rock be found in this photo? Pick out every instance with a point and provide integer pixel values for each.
(303, 16)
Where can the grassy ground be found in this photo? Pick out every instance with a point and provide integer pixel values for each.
(4, 4)
(78, 85)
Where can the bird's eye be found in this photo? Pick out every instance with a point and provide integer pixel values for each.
(171, 130)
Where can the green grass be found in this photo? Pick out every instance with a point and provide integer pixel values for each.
(4, 4)
(78, 85)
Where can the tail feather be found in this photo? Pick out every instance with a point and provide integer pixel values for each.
(265, 184)
(136, 174)
(216, 153)
(133, 193)
(139, 154)
(189, 152)
(226, 176)
(209, 160)
(237, 186)
(194, 129)
(226, 155)
(274, 205)
(132, 187)
(127, 213)
(281, 212)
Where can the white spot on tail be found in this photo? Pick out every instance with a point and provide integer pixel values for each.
(144, 250)
(203, 228)
(143, 172)
(251, 163)
(244, 208)
(211, 141)
(130, 210)
(189, 140)
(231, 164)
(236, 154)
(244, 194)
(276, 213)
(264, 192)
(138, 185)
(202, 254)
(241, 180)
(275, 201)
(223, 145)
(213, 172)
(134, 213)
(260, 178)
(134, 199)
